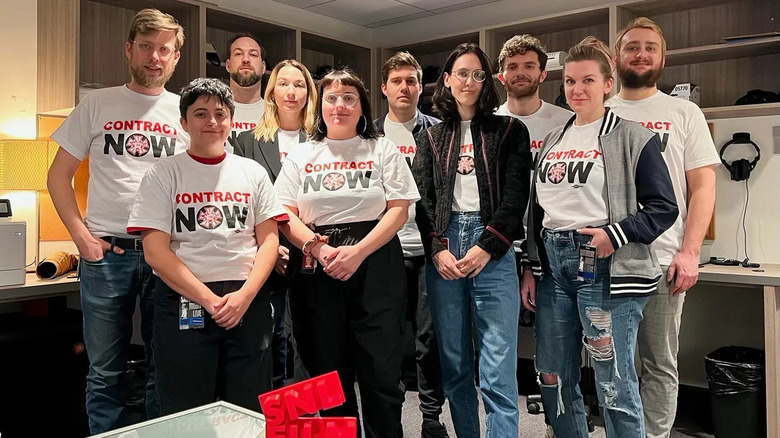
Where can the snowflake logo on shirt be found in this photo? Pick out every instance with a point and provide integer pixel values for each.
(137, 145)
(333, 181)
(209, 217)
(465, 164)
(556, 172)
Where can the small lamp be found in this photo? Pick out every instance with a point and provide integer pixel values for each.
(24, 165)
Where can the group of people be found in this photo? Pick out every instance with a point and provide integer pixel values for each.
(589, 219)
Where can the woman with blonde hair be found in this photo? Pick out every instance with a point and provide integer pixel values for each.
(601, 193)
(290, 104)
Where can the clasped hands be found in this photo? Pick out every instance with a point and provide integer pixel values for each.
(470, 265)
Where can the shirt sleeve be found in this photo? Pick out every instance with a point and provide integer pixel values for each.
(699, 148)
(287, 183)
(266, 204)
(396, 176)
(75, 134)
(154, 203)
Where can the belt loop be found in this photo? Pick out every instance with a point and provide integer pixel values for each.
(112, 243)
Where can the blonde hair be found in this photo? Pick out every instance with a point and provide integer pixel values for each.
(150, 20)
(640, 23)
(269, 122)
(592, 49)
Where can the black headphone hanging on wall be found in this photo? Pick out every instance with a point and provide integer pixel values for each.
(740, 169)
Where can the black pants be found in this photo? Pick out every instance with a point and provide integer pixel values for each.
(426, 352)
(198, 366)
(356, 328)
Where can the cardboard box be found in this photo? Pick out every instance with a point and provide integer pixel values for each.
(687, 91)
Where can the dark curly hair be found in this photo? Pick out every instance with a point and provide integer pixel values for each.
(344, 76)
(444, 102)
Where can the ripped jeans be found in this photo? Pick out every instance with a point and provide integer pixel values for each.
(571, 313)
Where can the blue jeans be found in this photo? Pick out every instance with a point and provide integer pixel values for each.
(109, 289)
(491, 300)
(571, 313)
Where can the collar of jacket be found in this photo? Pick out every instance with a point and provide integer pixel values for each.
(608, 123)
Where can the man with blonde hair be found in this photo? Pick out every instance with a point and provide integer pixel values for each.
(690, 154)
(124, 130)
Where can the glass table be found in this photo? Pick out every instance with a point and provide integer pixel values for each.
(215, 420)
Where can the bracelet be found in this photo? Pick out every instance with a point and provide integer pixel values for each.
(309, 245)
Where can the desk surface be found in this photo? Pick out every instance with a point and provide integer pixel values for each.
(37, 288)
(768, 275)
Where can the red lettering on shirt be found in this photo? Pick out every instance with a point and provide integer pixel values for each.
(199, 197)
(467, 149)
(338, 165)
(407, 150)
(657, 125)
(572, 154)
(536, 144)
(139, 125)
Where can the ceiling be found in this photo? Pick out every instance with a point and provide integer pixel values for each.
(378, 13)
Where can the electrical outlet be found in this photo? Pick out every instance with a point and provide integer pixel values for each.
(776, 140)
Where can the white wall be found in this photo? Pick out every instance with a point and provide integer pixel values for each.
(18, 69)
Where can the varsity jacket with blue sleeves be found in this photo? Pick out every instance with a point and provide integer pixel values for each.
(640, 202)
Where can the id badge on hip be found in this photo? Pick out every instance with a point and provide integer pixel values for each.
(587, 267)
(190, 315)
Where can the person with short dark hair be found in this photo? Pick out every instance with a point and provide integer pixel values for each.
(208, 221)
(473, 173)
(349, 192)
(123, 130)
(401, 76)
(246, 64)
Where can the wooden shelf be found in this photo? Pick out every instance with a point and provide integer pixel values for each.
(720, 52)
(738, 111)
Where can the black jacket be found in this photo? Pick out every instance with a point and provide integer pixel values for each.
(424, 121)
(502, 158)
(264, 152)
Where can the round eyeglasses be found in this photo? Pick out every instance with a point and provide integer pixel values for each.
(349, 99)
(463, 74)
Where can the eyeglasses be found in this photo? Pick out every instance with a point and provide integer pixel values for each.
(146, 48)
(463, 74)
(349, 99)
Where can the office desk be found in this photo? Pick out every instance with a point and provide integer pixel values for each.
(767, 281)
(36, 288)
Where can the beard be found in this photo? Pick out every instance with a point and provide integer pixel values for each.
(245, 81)
(631, 79)
(520, 91)
(145, 80)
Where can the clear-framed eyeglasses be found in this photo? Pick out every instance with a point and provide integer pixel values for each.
(463, 74)
(146, 47)
(349, 99)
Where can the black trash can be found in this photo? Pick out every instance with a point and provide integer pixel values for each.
(735, 376)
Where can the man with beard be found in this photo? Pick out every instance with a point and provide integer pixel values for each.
(522, 63)
(690, 154)
(401, 84)
(246, 65)
(124, 130)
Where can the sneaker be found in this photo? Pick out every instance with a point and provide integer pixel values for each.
(549, 432)
(433, 429)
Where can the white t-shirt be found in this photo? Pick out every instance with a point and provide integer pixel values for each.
(209, 209)
(539, 124)
(570, 183)
(340, 181)
(401, 135)
(246, 117)
(124, 133)
(466, 195)
(686, 144)
(287, 141)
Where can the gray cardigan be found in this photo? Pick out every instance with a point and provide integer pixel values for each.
(640, 201)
